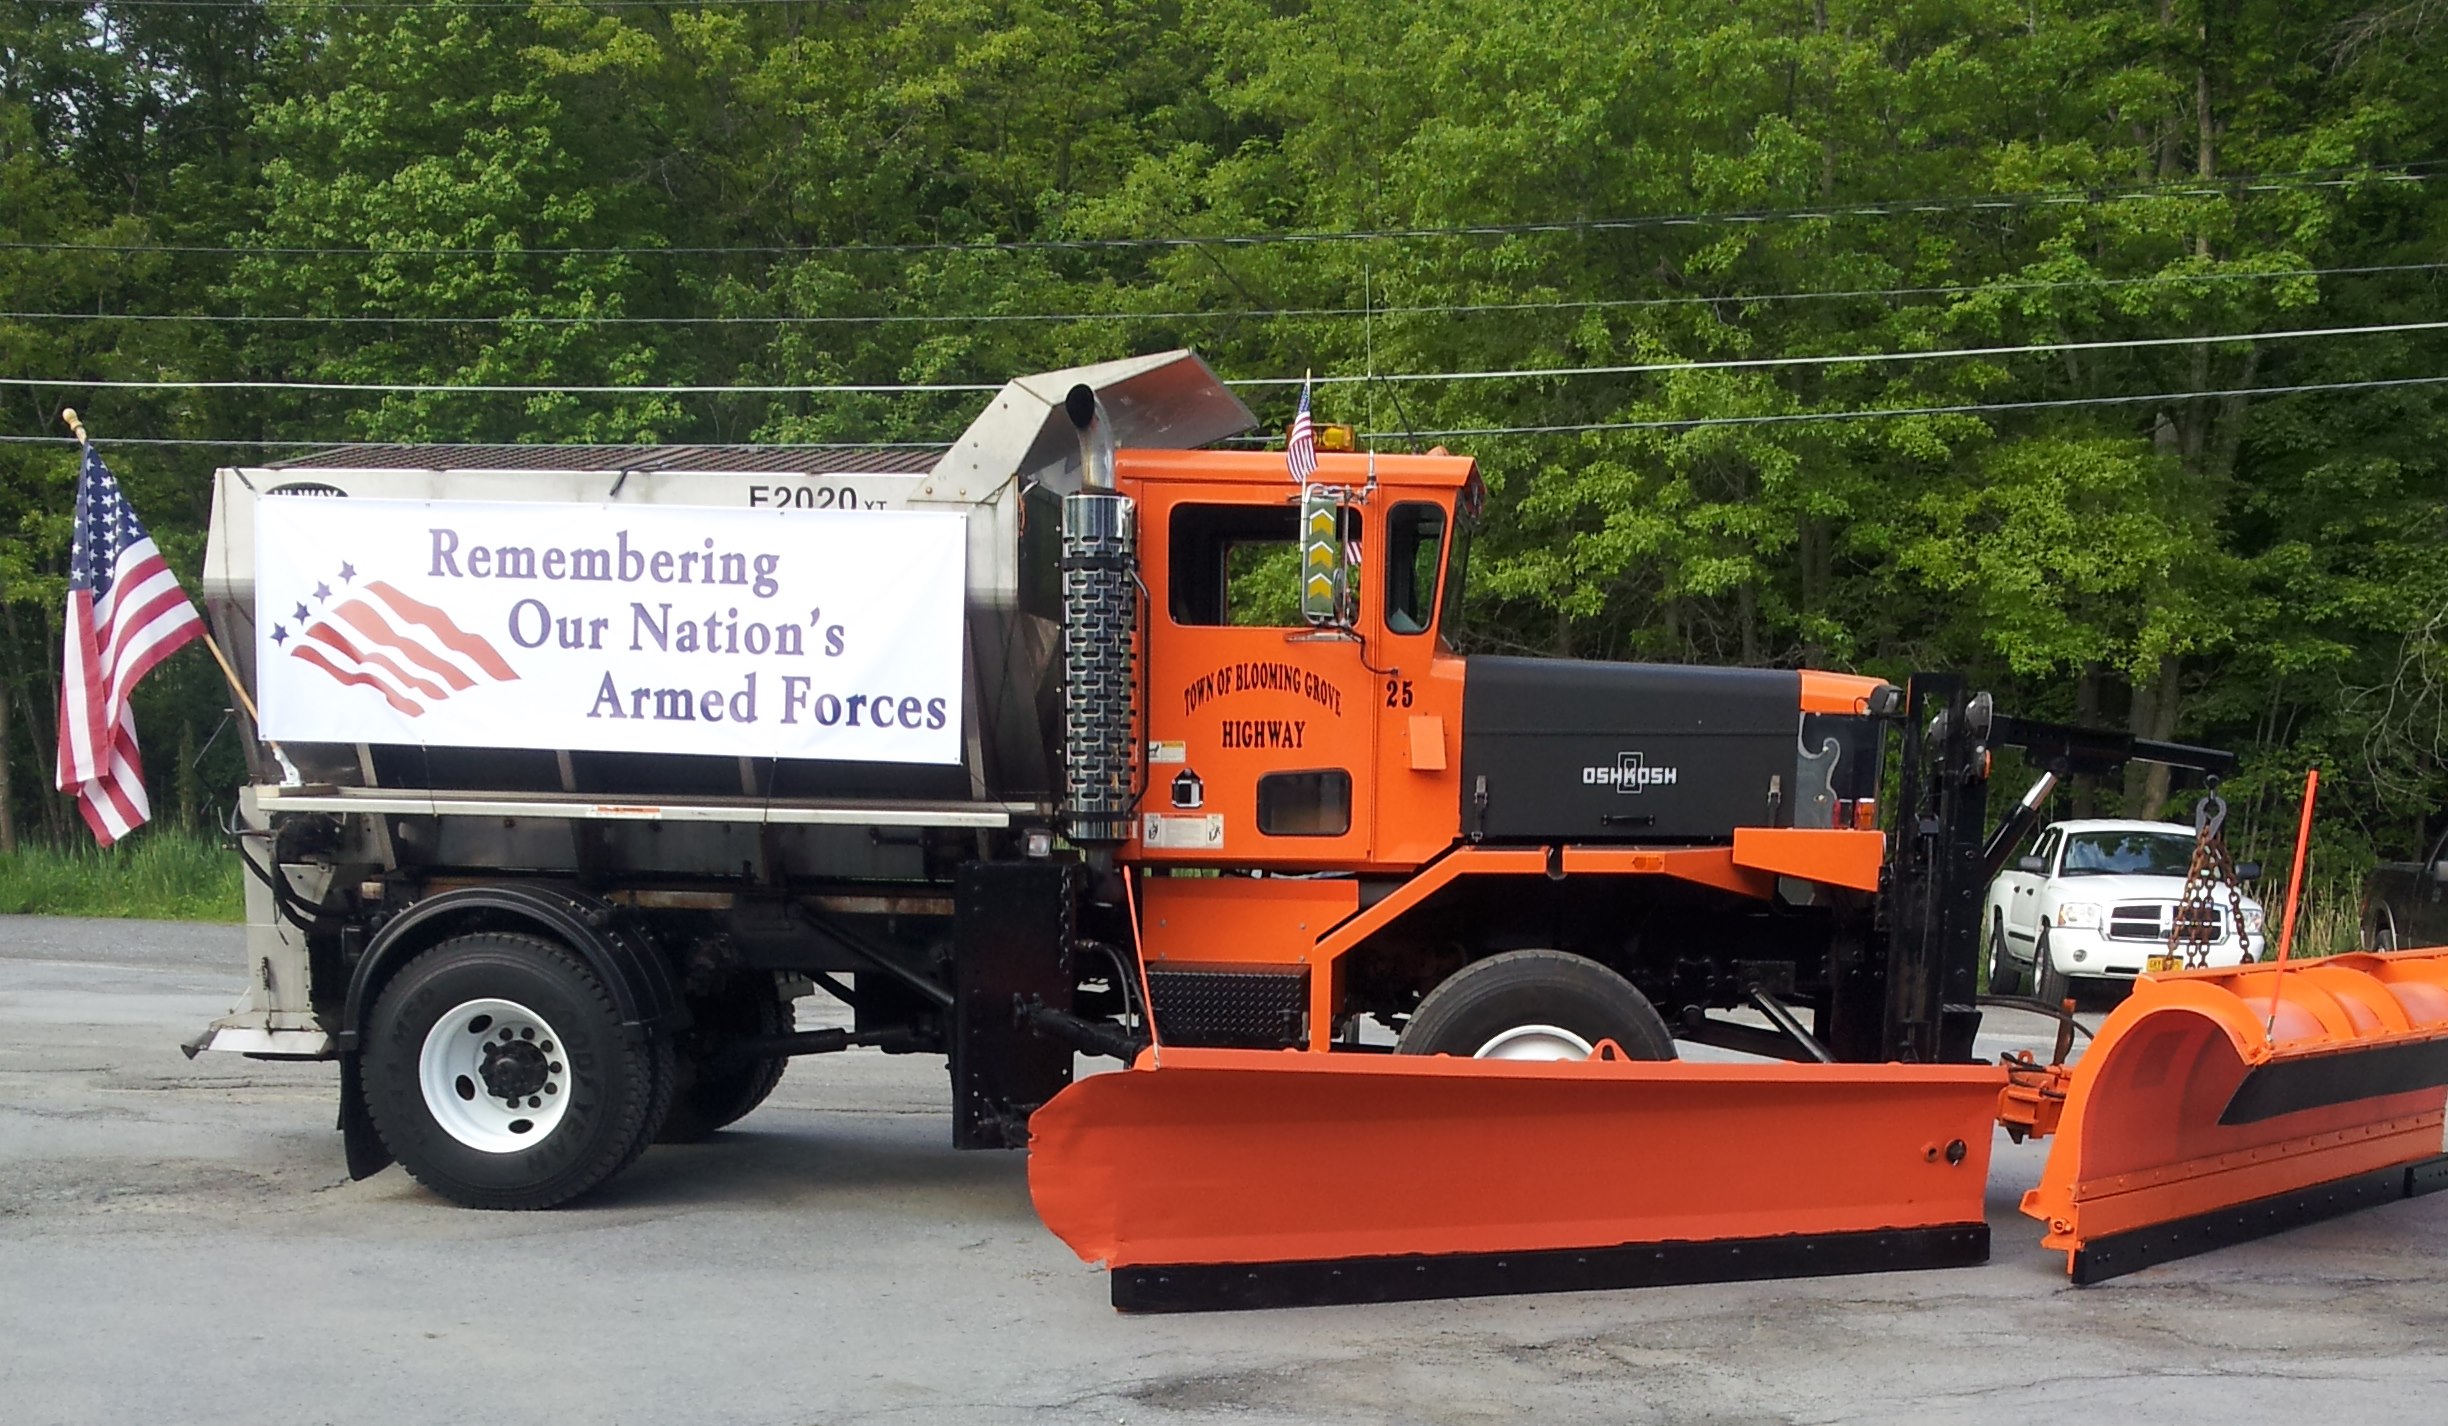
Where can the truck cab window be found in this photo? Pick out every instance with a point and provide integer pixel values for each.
(1415, 556)
(1240, 564)
(1305, 804)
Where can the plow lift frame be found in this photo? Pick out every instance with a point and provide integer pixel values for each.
(1218, 1179)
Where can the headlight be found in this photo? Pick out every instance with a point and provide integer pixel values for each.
(2078, 913)
(2252, 920)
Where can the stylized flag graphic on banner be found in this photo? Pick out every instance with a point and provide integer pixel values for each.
(375, 637)
(126, 613)
(1300, 449)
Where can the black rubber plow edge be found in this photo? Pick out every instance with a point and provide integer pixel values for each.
(2112, 1257)
(1225, 1287)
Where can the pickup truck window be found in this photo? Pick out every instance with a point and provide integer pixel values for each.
(2127, 854)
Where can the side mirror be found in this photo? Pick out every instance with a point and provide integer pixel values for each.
(2248, 871)
(2439, 870)
(2033, 864)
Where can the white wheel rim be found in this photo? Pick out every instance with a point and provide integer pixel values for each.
(475, 1056)
(1536, 1042)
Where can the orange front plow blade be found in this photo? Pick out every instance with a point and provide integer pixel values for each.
(1241, 1178)
(2216, 1106)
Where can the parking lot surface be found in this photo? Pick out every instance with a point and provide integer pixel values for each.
(179, 1242)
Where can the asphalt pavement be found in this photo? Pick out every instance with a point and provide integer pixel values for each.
(179, 1242)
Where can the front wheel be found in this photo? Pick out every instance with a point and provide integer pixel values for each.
(2050, 986)
(2380, 928)
(1535, 1005)
(499, 1074)
(2005, 978)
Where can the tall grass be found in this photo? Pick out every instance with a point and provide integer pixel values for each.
(157, 874)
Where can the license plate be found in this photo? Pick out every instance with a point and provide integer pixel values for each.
(2160, 963)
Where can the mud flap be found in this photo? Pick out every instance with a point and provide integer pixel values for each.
(1245, 1178)
(359, 1141)
(2217, 1106)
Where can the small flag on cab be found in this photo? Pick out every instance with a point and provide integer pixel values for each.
(126, 613)
(1300, 448)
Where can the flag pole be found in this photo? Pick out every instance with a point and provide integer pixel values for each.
(76, 425)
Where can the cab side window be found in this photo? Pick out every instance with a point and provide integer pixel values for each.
(1239, 565)
(1415, 558)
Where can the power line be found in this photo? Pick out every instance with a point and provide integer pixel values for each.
(2268, 183)
(1967, 408)
(1516, 373)
(328, 445)
(1222, 314)
(443, 6)
(1662, 424)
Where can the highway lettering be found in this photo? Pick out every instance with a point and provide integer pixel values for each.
(1268, 733)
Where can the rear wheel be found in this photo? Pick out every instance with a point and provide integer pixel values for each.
(498, 1073)
(2005, 977)
(716, 1089)
(1535, 1005)
(2380, 928)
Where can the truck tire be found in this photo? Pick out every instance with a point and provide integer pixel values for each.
(711, 1093)
(2005, 977)
(2050, 986)
(1535, 1005)
(2380, 928)
(498, 1073)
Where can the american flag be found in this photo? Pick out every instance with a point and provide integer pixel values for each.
(408, 652)
(126, 613)
(1300, 450)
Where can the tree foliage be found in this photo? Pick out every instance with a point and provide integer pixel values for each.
(933, 190)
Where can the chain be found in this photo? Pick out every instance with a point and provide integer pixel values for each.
(2196, 921)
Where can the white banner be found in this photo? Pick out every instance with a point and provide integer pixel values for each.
(662, 629)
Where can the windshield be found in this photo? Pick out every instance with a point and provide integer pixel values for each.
(2127, 854)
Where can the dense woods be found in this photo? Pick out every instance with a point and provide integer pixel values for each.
(2235, 541)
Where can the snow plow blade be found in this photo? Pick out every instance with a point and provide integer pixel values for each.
(2219, 1106)
(1213, 1179)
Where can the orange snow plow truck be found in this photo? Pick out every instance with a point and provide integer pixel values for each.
(575, 770)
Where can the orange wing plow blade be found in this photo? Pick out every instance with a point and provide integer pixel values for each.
(2216, 1106)
(1243, 1178)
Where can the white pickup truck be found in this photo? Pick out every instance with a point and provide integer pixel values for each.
(2093, 901)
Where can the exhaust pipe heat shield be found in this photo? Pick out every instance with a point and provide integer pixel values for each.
(1246, 1178)
(2216, 1106)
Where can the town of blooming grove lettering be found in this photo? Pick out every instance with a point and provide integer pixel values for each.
(695, 626)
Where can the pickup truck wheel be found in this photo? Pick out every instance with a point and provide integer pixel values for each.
(2005, 977)
(2380, 928)
(714, 1091)
(1535, 1005)
(498, 1073)
(2050, 986)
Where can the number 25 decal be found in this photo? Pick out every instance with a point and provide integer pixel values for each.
(1398, 693)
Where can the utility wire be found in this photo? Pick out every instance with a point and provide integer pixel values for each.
(1222, 314)
(443, 6)
(1516, 373)
(1967, 408)
(1661, 424)
(486, 445)
(2268, 183)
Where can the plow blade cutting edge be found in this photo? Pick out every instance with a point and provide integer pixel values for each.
(1246, 1178)
(2217, 1106)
